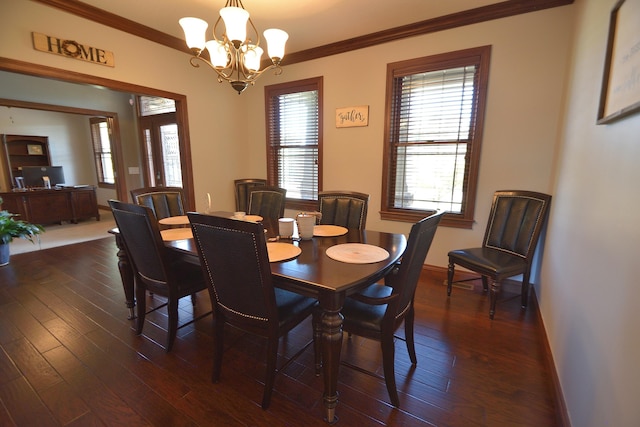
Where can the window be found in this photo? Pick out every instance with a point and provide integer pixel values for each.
(294, 140)
(101, 137)
(435, 113)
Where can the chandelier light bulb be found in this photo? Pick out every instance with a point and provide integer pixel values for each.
(276, 40)
(194, 32)
(235, 22)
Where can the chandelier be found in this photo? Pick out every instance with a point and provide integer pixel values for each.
(234, 55)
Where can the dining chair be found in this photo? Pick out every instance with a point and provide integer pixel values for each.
(242, 188)
(344, 208)
(378, 311)
(155, 270)
(235, 263)
(163, 201)
(267, 201)
(513, 230)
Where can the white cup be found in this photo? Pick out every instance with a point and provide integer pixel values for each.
(305, 225)
(285, 228)
(239, 215)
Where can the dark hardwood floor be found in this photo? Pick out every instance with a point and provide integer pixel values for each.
(70, 357)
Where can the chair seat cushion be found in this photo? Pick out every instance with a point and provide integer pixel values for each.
(291, 305)
(359, 316)
(489, 262)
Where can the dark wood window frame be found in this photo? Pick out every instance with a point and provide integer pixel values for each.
(99, 154)
(273, 142)
(478, 57)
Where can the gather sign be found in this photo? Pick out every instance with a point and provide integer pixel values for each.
(72, 49)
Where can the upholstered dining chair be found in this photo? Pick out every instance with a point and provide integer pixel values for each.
(235, 262)
(345, 208)
(242, 189)
(513, 230)
(379, 310)
(163, 201)
(267, 201)
(155, 270)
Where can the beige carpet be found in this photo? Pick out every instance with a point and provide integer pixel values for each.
(67, 234)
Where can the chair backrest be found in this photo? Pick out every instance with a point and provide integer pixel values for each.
(515, 221)
(235, 263)
(141, 235)
(243, 187)
(163, 201)
(406, 279)
(345, 208)
(267, 201)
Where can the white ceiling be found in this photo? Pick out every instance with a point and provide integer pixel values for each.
(310, 23)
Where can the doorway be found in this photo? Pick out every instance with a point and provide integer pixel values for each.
(181, 120)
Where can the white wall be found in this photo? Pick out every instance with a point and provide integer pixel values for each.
(588, 293)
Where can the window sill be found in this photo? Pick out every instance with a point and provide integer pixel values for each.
(449, 220)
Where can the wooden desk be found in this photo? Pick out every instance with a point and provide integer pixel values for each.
(46, 206)
(314, 274)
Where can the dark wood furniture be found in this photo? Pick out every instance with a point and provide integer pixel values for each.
(53, 206)
(513, 229)
(316, 275)
(21, 150)
(267, 201)
(242, 188)
(155, 269)
(344, 208)
(237, 265)
(379, 310)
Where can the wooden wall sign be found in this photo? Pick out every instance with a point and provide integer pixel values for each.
(72, 49)
(352, 116)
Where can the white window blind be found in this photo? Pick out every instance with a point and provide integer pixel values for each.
(431, 133)
(293, 131)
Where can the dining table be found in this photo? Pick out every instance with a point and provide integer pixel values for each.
(315, 270)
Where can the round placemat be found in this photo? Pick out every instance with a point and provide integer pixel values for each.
(357, 253)
(175, 220)
(329, 230)
(282, 251)
(176, 234)
(253, 218)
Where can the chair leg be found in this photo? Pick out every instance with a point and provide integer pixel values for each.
(272, 356)
(172, 311)
(525, 289)
(388, 360)
(141, 306)
(485, 283)
(317, 340)
(495, 290)
(194, 299)
(450, 277)
(408, 335)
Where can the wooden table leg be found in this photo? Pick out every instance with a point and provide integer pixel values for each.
(126, 274)
(331, 304)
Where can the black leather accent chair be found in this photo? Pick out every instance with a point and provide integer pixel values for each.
(344, 208)
(378, 311)
(235, 262)
(513, 230)
(268, 202)
(154, 268)
(242, 189)
(163, 201)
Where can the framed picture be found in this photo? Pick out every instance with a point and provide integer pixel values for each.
(620, 95)
(34, 149)
(352, 116)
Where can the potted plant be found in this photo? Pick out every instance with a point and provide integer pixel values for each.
(11, 227)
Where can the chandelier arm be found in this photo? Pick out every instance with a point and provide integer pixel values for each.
(221, 74)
